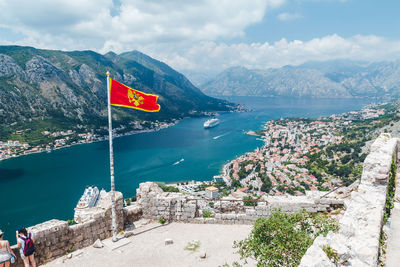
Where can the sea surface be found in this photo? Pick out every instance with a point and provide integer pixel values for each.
(40, 187)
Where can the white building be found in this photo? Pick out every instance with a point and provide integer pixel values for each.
(212, 192)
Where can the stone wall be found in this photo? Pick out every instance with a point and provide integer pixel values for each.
(56, 238)
(357, 241)
(132, 214)
(157, 204)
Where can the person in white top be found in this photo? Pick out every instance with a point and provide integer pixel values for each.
(5, 252)
(22, 237)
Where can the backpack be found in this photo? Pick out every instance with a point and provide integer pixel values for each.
(29, 248)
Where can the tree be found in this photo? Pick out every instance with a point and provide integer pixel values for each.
(236, 184)
(267, 184)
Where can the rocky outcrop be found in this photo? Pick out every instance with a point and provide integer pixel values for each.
(40, 70)
(357, 241)
(9, 68)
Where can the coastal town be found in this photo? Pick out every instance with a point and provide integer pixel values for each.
(298, 155)
(80, 135)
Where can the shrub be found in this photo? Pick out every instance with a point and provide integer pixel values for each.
(283, 239)
(390, 192)
(162, 220)
(128, 201)
(71, 222)
(193, 245)
(249, 203)
(168, 188)
(206, 213)
(331, 253)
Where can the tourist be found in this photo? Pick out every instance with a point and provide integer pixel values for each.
(5, 252)
(26, 248)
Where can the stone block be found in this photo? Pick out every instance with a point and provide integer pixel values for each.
(251, 212)
(98, 244)
(202, 255)
(168, 241)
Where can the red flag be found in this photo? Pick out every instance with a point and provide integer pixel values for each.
(124, 96)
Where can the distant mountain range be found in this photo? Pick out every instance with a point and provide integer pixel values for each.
(70, 88)
(340, 78)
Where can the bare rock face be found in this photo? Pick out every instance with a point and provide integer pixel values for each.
(89, 78)
(129, 78)
(9, 68)
(74, 75)
(39, 70)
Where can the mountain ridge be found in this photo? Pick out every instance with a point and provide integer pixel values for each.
(337, 78)
(54, 88)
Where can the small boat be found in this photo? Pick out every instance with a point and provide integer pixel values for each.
(211, 123)
(179, 161)
(219, 136)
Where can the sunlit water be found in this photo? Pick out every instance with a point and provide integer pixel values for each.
(44, 186)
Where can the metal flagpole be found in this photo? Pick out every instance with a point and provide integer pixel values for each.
(113, 213)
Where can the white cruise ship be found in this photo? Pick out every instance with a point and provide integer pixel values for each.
(89, 198)
(211, 123)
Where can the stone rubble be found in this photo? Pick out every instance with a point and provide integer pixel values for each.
(98, 244)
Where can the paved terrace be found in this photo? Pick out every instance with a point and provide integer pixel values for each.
(147, 247)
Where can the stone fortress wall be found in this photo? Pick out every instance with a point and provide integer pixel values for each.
(360, 224)
(55, 238)
(357, 241)
(179, 207)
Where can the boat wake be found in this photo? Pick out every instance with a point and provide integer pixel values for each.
(179, 161)
(216, 137)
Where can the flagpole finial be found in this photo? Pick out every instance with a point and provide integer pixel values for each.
(108, 74)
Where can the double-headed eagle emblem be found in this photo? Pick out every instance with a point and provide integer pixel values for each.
(134, 97)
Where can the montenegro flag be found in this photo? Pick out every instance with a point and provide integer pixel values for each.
(124, 96)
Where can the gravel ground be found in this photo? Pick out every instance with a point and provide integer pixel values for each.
(147, 247)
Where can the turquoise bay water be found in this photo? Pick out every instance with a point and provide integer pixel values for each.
(39, 187)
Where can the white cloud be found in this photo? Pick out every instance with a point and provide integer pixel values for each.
(289, 16)
(76, 24)
(188, 35)
(211, 56)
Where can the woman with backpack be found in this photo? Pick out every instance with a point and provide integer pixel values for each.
(26, 247)
(5, 252)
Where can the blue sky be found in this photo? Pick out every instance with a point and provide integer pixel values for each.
(210, 35)
(320, 18)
